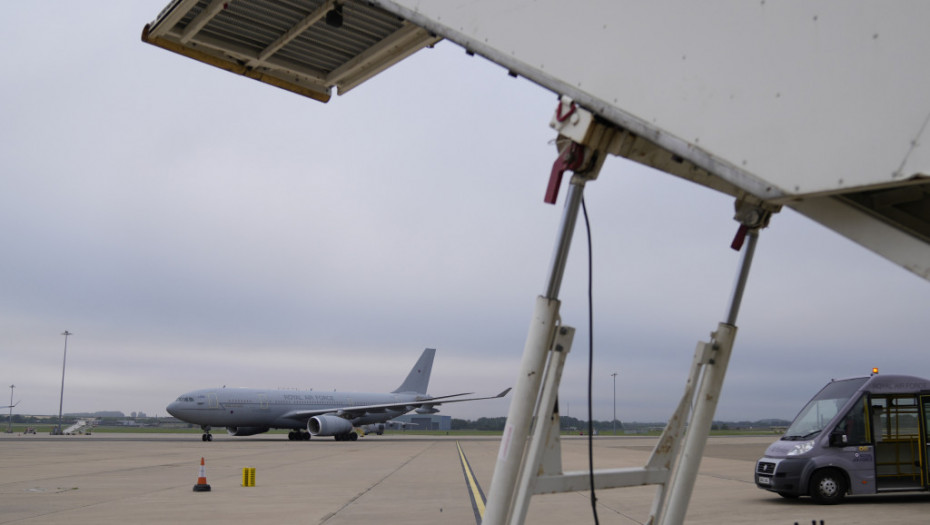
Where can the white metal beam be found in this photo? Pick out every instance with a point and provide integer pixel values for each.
(315, 16)
(202, 19)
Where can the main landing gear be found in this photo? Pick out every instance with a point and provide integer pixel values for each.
(207, 436)
(300, 435)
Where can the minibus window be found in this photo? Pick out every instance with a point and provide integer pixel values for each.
(852, 426)
(820, 410)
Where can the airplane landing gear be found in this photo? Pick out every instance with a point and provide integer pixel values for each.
(298, 435)
(207, 436)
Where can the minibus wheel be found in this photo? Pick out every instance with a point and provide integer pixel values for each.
(828, 486)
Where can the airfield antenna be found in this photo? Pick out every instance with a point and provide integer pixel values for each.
(61, 399)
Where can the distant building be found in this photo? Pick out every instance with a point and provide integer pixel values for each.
(426, 421)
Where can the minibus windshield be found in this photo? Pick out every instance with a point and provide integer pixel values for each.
(820, 410)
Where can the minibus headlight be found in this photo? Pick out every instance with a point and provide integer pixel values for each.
(801, 448)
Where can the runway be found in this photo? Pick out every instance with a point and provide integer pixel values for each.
(149, 478)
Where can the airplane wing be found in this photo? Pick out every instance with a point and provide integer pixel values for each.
(351, 412)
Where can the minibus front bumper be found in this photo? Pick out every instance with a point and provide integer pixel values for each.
(781, 475)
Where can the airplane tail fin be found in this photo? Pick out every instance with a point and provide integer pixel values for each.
(418, 378)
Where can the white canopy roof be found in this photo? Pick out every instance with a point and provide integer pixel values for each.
(820, 106)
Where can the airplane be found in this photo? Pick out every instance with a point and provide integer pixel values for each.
(250, 411)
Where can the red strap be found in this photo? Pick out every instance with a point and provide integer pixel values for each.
(737, 243)
(558, 112)
(570, 159)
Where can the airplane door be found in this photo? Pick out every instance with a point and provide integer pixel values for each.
(212, 401)
(925, 438)
(263, 401)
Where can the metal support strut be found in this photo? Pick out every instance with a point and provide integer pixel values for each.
(507, 481)
(529, 460)
(533, 400)
(712, 359)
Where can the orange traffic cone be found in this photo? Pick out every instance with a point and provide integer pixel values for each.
(202, 485)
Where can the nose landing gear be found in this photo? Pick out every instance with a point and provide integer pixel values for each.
(207, 436)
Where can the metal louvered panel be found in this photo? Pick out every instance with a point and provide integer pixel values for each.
(289, 44)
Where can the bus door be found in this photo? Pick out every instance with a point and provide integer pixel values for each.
(925, 436)
(900, 448)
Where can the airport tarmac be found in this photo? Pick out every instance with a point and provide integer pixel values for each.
(396, 478)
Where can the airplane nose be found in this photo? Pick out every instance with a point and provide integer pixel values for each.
(172, 408)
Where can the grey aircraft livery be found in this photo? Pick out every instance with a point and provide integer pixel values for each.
(250, 411)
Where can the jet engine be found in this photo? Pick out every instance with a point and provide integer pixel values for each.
(245, 431)
(328, 426)
(426, 409)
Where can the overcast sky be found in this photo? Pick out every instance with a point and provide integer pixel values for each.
(194, 228)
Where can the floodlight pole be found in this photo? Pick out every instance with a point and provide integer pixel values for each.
(614, 375)
(9, 429)
(61, 399)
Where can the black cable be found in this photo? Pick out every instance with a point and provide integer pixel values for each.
(587, 225)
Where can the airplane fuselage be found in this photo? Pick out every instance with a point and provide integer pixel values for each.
(269, 408)
(250, 411)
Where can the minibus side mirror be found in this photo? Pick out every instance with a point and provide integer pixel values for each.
(838, 439)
